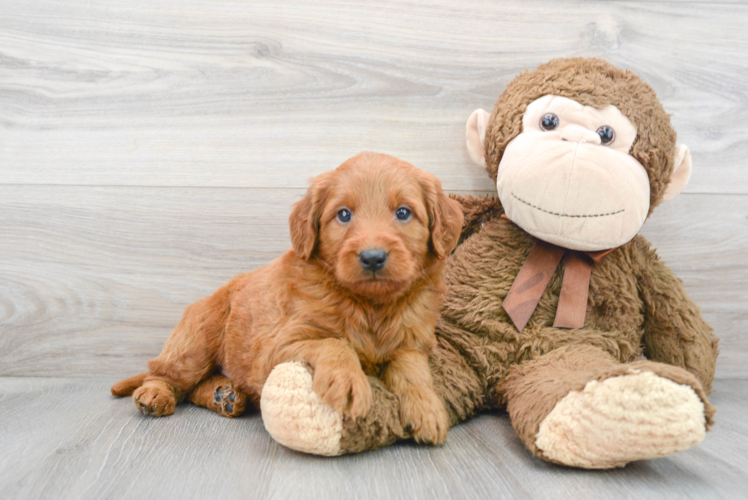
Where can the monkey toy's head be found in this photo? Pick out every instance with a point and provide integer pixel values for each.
(581, 153)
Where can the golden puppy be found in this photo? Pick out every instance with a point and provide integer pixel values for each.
(359, 293)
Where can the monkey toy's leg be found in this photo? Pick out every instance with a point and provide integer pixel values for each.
(219, 394)
(579, 406)
(297, 418)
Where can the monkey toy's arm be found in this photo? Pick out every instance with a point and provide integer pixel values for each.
(674, 331)
(476, 210)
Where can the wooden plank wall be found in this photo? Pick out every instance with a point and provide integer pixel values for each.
(150, 150)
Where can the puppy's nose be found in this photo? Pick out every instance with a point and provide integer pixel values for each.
(373, 259)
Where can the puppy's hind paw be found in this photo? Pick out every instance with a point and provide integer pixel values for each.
(155, 398)
(227, 401)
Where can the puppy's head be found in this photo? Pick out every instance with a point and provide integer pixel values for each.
(377, 222)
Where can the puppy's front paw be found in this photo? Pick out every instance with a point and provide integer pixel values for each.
(426, 417)
(345, 389)
(156, 398)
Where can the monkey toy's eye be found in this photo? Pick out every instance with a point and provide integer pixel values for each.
(607, 135)
(344, 216)
(403, 214)
(549, 121)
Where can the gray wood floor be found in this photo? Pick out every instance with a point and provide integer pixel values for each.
(67, 438)
(151, 149)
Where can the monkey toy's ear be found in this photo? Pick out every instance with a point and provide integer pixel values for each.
(475, 134)
(681, 173)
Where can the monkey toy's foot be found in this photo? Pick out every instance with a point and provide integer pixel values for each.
(296, 416)
(630, 417)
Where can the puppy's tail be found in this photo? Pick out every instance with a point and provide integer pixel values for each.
(127, 387)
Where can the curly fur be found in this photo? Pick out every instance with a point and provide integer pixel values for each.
(316, 304)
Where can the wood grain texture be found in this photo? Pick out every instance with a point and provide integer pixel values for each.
(268, 93)
(151, 149)
(93, 279)
(69, 439)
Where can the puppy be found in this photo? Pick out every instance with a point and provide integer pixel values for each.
(358, 294)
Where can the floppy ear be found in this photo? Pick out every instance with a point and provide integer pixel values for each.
(445, 216)
(304, 219)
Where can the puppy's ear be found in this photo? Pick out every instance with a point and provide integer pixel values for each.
(445, 216)
(305, 217)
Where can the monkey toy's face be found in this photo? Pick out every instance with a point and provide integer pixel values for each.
(568, 178)
(571, 174)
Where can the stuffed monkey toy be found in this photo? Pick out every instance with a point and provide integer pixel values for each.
(554, 299)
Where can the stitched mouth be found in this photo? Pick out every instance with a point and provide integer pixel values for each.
(566, 215)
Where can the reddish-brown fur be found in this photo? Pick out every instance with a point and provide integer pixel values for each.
(318, 305)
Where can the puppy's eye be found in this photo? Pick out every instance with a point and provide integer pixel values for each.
(344, 216)
(549, 121)
(607, 135)
(403, 214)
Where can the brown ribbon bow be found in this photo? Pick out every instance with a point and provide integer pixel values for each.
(534, 276)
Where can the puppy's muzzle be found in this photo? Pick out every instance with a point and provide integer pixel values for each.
(373, 259)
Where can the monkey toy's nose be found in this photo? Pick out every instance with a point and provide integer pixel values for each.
(575, 133)
(373, 259)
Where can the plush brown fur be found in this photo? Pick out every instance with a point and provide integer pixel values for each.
(318, 305)
(636, 305)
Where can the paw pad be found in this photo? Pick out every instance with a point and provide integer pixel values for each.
(225, 401)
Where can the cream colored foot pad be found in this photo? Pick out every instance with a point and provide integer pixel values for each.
(622, 419)
(294, 414)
